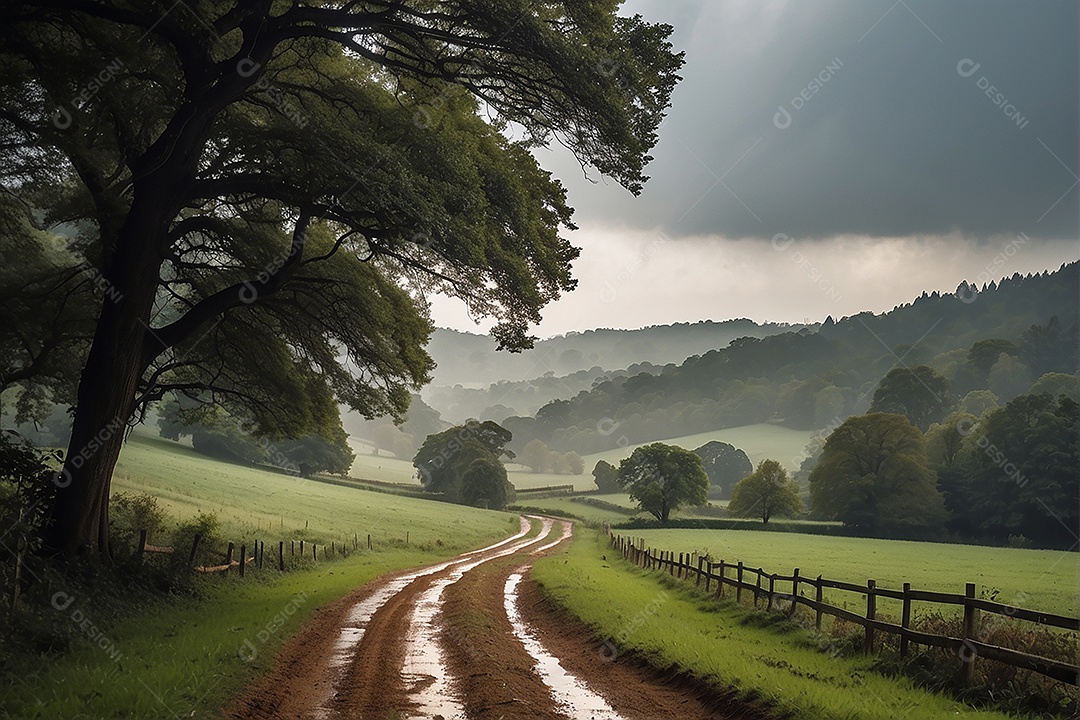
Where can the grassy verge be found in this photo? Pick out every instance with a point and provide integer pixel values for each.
(673, 626)
(95, 642)
(173, 656)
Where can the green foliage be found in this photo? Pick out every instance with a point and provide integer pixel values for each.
(809, 380)
(484, 484)
(1018, 472)
(724, 464)
(536, 456)
(129, 514)
(447, 458)
(765, 493)
(663, 477)
(873, 476)
(918, 393)
(279, 205)
(606, 476)
(944, 440)
(1055, 384)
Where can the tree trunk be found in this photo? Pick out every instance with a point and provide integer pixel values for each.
(79, 518)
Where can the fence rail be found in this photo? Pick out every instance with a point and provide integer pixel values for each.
(296, 549)
(785, 592)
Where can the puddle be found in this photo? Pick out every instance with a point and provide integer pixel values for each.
(567, 532)
(571, 694)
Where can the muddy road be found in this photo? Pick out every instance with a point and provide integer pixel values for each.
(469, 638)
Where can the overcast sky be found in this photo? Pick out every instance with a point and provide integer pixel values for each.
(826, 157)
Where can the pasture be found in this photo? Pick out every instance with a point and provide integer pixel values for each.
(667, 622)
(1037, 579)
(758, 441)
(254, 502)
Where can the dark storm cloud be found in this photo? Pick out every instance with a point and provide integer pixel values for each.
(817, 119)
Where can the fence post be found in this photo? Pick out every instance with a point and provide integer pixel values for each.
(738, 588)
(679, 569)
(369, 541)
(301, 549)
(243, 559)
(794, 590)
(314, 552)
(281, 555)
(194, 547)
(905, 621)
(757, 587)
(142, 544)
(228, 559)
(292, 548)
(697, 583)
(971, 627)
(772, 591)
(720, 581)
(871, 614)
(818, 597)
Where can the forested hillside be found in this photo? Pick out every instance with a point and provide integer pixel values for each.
(812, 379)
(472, 360)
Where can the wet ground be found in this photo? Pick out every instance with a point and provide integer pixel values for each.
(470, 638)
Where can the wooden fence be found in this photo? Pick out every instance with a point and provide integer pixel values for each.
(296, 548)
(785, 593)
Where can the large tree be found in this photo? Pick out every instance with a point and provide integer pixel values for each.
(1018, 473)
(661, 478)
(919, 393)
(265, 191)
(765, 493)
(458, 463)
(873, 476)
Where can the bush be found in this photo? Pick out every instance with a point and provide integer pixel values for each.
(128, 515)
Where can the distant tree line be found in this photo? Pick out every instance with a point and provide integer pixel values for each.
(995, 346)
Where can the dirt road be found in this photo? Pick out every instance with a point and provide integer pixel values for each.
(470, 638)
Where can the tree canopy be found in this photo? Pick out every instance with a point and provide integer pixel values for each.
(459, 464)
(919, 393)
(661, 478)
(262, 194)
(873, 476)
(606, 476)
(1017, 473)
(765, 493)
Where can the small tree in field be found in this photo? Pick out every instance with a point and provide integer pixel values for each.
(664, 477)
(765, 493)
(606, 476)
(536, 456)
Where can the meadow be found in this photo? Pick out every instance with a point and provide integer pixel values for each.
(1038, 579)
(254, 502)
(187, 653)
(671, 625)
(757, 441)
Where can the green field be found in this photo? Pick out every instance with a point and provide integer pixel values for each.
(249, 501)
(1037, 579)
(667, 622)
(184, 655)
(758, 441)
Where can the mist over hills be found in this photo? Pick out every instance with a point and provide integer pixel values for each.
(471, 360)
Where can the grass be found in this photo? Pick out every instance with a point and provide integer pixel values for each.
(254, 502)
(188, 654)
(1039, 579)
(673, 626)
(757, 441)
